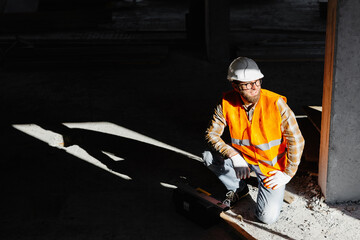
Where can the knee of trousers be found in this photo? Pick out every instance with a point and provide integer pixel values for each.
(207, 158)
(268, 216)
(213, 158)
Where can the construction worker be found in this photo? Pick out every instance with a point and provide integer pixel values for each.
(265, 138)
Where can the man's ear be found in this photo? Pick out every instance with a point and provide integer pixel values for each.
(235, 86)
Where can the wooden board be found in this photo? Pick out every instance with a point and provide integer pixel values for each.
(235, 222)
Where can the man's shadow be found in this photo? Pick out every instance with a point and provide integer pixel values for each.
(147, 165)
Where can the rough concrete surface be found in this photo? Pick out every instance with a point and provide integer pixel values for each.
(344, 141)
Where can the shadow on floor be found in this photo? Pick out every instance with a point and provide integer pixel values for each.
(52, 194)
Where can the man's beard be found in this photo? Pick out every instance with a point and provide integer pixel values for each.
(251, 99)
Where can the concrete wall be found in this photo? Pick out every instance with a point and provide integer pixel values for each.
(340, 183)
(16, 6)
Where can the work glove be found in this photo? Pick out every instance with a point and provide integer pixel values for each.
(276, 180)
(241, 167)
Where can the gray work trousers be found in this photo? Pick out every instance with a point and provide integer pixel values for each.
(269, 201)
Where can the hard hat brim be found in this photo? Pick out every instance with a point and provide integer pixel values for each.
(250, 78)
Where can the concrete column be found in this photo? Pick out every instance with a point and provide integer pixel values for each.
(339, 161)
(195, 23)
(208, 26)
(217, 27)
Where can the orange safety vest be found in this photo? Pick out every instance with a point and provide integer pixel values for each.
(260, 141)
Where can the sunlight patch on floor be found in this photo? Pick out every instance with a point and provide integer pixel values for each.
(54, 139)
(113, 129)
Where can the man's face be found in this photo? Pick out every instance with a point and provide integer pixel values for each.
(249, 91)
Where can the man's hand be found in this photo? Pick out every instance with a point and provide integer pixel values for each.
(241, 167)
(276, 180)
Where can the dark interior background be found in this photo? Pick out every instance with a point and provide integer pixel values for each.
(141, 65)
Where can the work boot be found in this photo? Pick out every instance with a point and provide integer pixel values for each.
(233, 197)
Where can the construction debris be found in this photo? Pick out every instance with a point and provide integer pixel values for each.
(306, 216)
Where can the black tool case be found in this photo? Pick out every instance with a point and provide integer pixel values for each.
(197, 205)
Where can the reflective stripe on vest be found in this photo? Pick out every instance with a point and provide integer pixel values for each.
(275, 160)
(263, 147)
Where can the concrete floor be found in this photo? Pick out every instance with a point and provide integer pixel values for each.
(48, 193)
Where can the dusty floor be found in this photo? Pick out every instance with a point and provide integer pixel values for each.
(53, 193)
(307, 217)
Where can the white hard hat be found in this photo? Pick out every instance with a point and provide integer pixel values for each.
(244, 69)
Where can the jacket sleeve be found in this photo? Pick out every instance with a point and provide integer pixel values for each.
(293, 136)
(215, 131)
